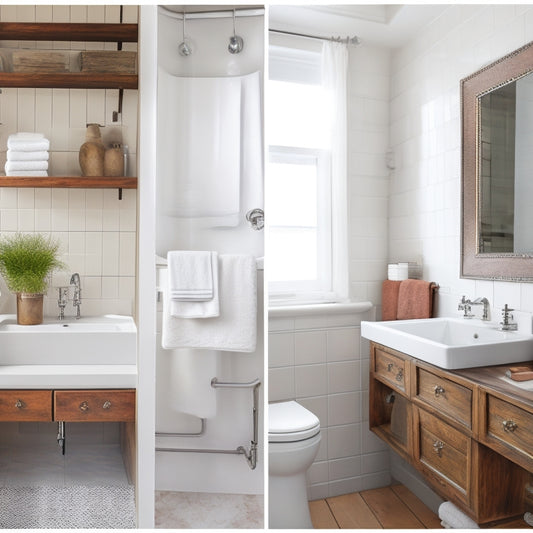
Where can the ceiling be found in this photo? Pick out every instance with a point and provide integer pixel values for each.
(379, 24)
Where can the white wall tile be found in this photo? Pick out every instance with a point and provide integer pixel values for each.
(309, 347)
(344, 408)
(310, 380)
(343, 344)
(281, 384)
(344, 377)
(344, 441)
(280, 349)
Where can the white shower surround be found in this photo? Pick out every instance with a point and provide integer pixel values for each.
(233, 425)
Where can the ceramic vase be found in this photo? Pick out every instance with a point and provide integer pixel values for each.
(114, 161)
(92, 152)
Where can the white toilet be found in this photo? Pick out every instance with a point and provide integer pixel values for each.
(293, 442)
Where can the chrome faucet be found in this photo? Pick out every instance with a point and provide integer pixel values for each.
(62, 301)
(76, 299)
(507, 324)
(466, 306)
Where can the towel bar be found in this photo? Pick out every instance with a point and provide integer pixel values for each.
(251, 455)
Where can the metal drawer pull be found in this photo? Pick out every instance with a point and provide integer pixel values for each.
(390, 366)
(437, 447)
(509, 425)
(84, 406)
(20, 404)
(438, 390)
(107, 405)
(399, 375)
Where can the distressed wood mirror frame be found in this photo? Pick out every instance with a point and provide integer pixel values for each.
(476, 265)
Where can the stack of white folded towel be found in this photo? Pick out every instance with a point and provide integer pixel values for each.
(27, 155)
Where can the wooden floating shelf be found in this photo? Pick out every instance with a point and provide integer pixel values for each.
(59, 31)
(71, 80)
(69, 182)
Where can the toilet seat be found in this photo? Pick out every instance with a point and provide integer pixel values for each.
(291, 422)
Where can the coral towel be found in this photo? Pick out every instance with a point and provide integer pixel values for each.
(415, 299)
(389, 299)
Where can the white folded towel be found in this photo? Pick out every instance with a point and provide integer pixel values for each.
(27, 156)
(28, 135)
(193, 284)
(235, 330)
(11, 166)
(454, 518)
(29, 173)
(21, 144)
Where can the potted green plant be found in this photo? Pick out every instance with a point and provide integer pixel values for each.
(26, 263)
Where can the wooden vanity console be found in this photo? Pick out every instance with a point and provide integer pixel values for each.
(468, 432)
(79, 405)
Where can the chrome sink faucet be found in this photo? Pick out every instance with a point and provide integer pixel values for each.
(466, 306)
(76, 299)
(507, 324)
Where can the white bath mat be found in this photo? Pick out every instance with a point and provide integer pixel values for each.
(67, 507)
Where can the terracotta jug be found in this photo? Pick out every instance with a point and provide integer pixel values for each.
(92, 152)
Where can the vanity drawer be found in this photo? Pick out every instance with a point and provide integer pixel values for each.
(25, 406)
(446, 452)
(510, 425)
(446, 396)
(390, 368)
(94, 405)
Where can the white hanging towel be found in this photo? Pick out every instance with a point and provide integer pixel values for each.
(200, 140)
(235, 329)
(193, 283)
(191, 374)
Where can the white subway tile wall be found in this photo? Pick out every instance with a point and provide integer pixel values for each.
(425, 134)
(322, 362)
(97, 231)
(368, 175)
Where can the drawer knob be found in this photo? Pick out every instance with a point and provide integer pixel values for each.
(399, 375)
(509, 425)
(390, 366)
(438, 390)
(107, 405)
(19, 404)
(84, 406)
(437, 447)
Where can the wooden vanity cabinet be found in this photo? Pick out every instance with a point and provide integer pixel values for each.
(442, 413)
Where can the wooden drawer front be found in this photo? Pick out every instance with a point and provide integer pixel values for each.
(510, 424)
(94, 405)
(25, 406)
(445, 450)
(448, 397)
(390, 368)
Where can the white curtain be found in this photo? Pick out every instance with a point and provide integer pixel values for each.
(334, 76)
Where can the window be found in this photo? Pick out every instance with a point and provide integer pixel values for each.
(298, 191)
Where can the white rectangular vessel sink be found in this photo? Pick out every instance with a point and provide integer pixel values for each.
(99, 340)
(451, 343)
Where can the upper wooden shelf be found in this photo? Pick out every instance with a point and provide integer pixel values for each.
(70, 182)
(59, 31)
(70, 80)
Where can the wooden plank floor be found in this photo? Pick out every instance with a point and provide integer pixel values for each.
(394, 507)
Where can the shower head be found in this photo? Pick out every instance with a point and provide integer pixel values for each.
(184, 48)
(236, 43)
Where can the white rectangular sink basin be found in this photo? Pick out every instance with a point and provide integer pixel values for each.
(99, 340)
(452, 343)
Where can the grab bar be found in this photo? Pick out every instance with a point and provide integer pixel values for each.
(251, 455)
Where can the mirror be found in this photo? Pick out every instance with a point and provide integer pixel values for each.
(497, 170)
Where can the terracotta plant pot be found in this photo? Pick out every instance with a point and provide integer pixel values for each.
(29, 308)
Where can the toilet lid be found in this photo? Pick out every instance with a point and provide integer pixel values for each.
(290, 422)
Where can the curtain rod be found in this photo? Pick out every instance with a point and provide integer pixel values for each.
(348, 40)
(242, 12)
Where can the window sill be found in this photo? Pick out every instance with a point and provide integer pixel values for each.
(319, 309)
